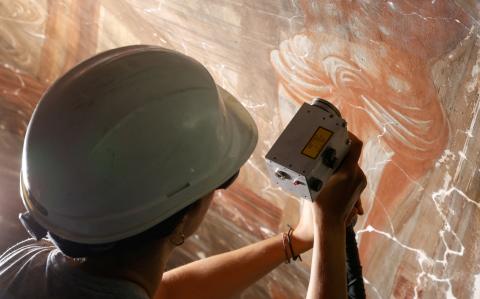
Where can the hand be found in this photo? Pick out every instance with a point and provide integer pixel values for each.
(357, 210)
(342, 192)
(303, 233)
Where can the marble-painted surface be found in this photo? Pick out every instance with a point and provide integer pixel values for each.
(404, 73)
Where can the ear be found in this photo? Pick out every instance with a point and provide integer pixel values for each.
(177, 237)
(194, 217)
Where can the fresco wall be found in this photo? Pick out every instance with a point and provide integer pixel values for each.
(404, 74)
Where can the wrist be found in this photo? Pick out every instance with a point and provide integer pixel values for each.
(329, 220)
(300, 245)
(328, 225)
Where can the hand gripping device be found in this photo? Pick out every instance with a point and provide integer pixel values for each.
(305, 155)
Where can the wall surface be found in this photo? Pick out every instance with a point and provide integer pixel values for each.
(404, 74)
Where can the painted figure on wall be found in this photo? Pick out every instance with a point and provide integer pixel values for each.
(370, 60)
(385, 64)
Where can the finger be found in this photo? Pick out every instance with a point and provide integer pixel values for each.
(361, 178)
(359, 207)
(353, 155)
(359, 186)
(355, 147)
(307, 207)
(350, 216)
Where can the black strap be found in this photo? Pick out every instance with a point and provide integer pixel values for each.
(355, 287)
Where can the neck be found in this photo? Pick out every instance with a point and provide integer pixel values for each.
(143, 266)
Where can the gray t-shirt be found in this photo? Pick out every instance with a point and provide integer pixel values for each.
(38, 270)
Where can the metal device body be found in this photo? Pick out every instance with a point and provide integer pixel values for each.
(309, 150)
(307, 153)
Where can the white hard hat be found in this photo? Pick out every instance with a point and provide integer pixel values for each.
(126, 139)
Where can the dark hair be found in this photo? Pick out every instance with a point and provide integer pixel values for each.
(159, 231)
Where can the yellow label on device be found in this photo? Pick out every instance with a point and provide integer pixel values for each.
(317, 142)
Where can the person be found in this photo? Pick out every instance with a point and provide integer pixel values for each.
(122, 158)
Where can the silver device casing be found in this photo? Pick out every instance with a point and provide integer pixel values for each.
(298, 173)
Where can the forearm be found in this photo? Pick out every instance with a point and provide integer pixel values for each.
(221, 276)
(327, 275)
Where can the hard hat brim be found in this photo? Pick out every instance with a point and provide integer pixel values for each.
(244, 133)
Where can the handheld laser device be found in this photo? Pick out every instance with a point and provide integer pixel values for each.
(305, 155)
(309, 150)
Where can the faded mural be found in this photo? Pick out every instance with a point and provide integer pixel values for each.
(403, 73)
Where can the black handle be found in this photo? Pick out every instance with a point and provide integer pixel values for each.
(355, 287)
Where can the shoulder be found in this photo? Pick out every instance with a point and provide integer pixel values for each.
(24, 264)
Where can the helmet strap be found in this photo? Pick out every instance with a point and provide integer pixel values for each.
(34, 229)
